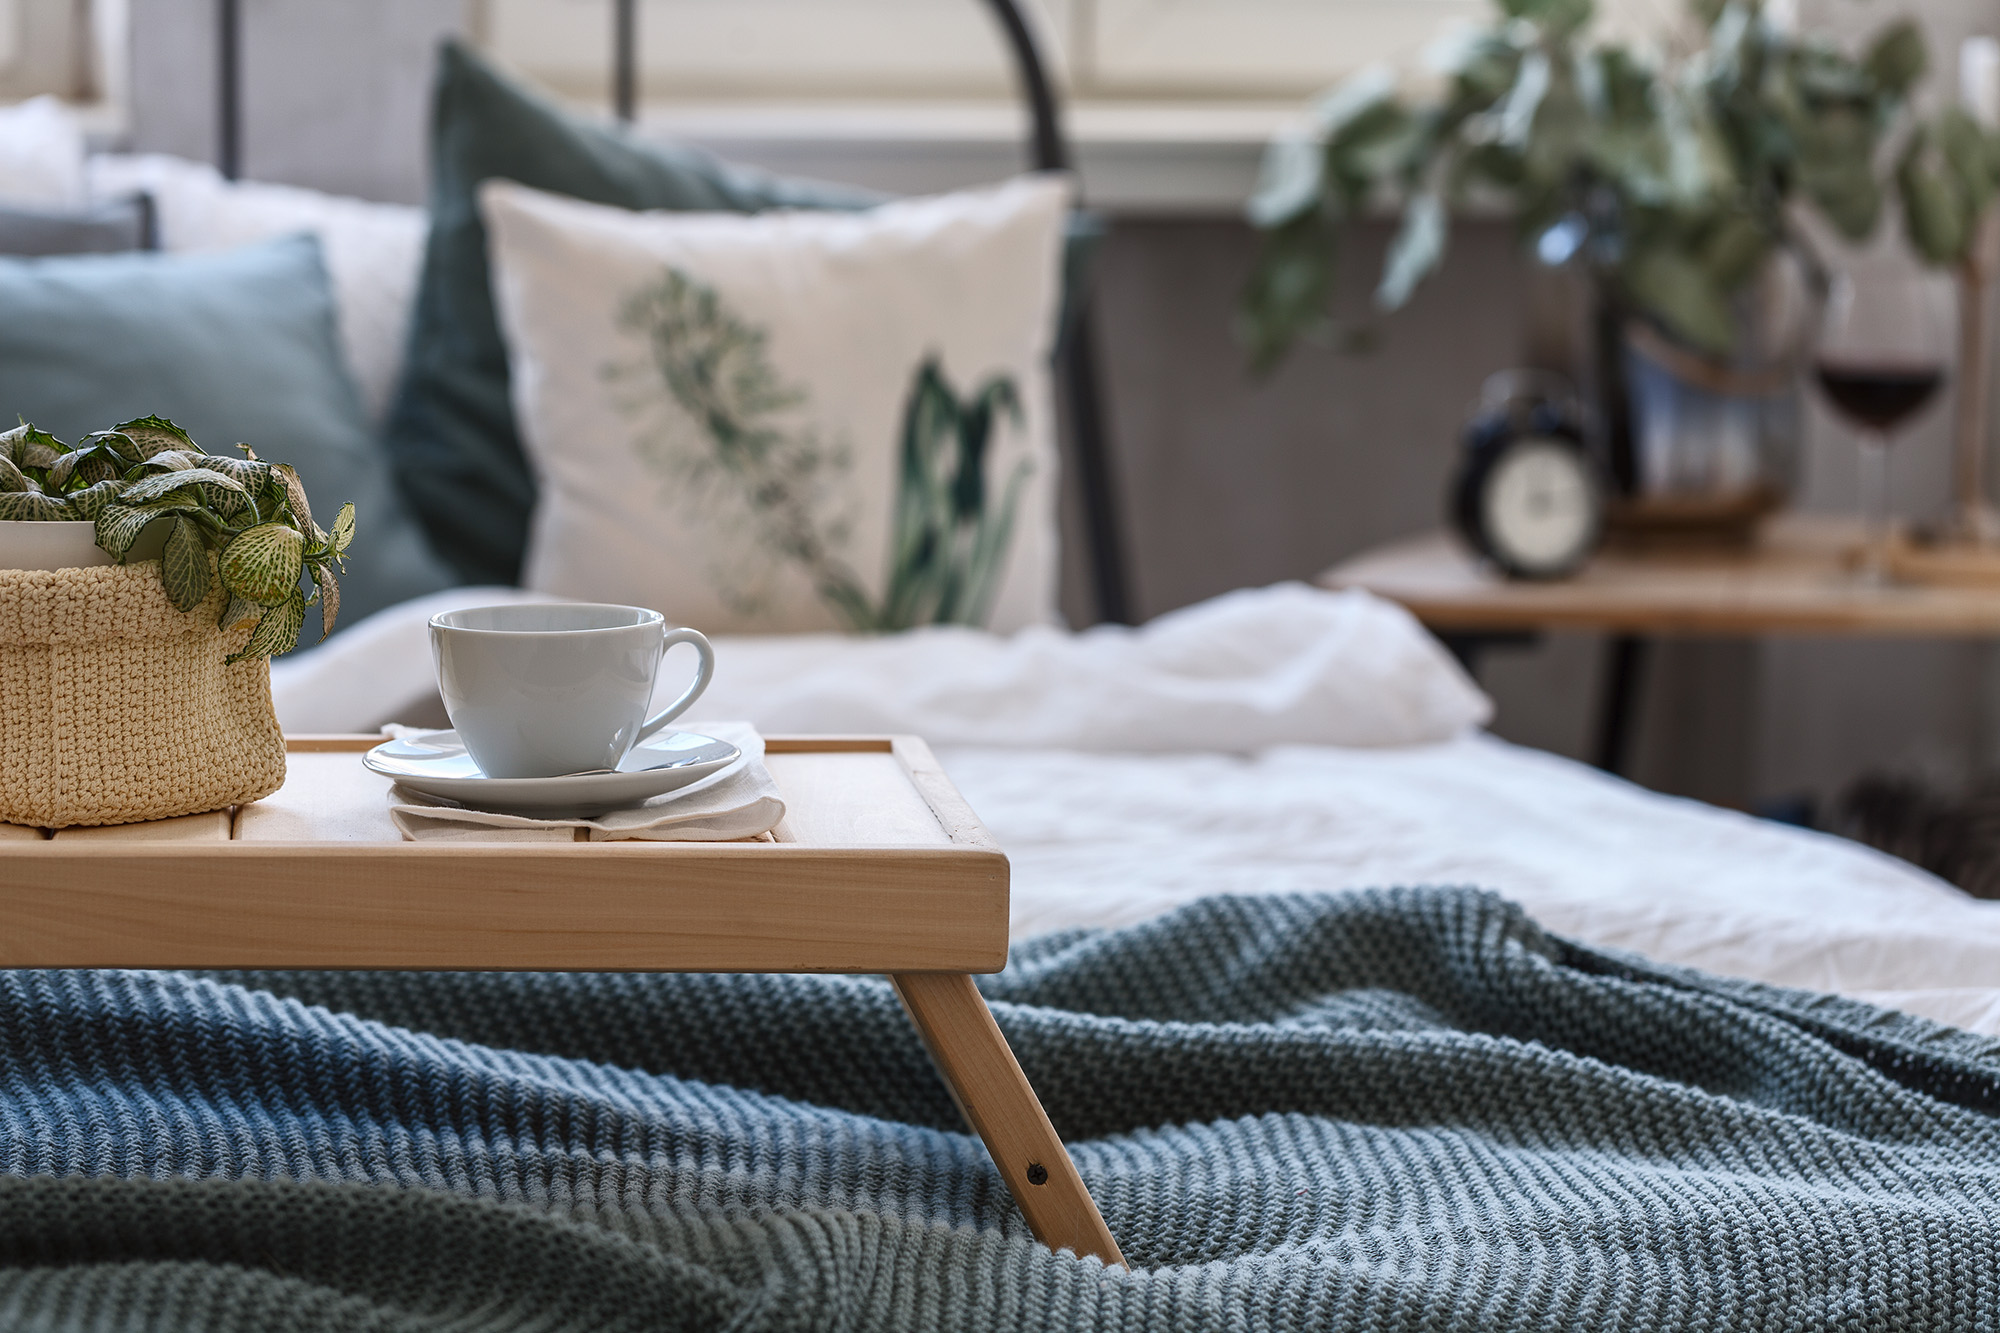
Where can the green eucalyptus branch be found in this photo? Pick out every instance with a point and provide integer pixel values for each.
(1674, 183)
(240, 520)
(1948, 176)
(950, 530)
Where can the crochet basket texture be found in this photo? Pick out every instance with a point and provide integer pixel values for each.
(118, 708)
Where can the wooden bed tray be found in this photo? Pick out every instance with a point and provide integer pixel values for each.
(878, 866)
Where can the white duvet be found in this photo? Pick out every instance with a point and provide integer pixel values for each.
(1282, 740)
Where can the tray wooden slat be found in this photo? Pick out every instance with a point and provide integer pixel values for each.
(211, 827)
(882, 868)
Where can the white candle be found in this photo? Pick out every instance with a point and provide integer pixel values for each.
(1979, 80)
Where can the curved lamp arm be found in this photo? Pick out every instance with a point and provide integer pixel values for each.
(1048, 150)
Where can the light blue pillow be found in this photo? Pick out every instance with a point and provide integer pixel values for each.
(235, 345)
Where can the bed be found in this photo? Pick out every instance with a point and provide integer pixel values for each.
(1128, 772)
(1302, 1096)
(1353, 1016)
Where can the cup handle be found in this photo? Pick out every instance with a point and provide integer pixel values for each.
(703, 674)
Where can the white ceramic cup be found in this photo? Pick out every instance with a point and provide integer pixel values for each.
(546, 690)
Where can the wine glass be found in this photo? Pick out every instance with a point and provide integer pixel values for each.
(1883, 343)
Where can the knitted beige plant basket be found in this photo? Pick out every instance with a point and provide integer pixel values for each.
(118, 708)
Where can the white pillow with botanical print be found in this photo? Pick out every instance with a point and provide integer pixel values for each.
(791, 421)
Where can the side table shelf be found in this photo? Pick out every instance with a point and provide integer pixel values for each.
(1796, 578)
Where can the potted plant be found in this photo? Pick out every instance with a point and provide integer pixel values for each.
(1676, 186)
(139, 662)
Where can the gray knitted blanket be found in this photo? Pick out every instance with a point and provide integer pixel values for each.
(1406, 1110)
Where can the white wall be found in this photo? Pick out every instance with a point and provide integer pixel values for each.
(45, 47)
(336, 95)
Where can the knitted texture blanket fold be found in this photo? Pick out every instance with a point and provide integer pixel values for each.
(1394, 1110)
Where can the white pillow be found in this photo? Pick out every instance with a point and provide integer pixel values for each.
(1285, 665)
(373, 251)
(41, 154)
(714, 405)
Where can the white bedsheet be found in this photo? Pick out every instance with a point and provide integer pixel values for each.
(1326, 744)
(1107, 839)
(1266, 666)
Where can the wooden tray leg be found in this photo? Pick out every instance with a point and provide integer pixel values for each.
(987, 1082)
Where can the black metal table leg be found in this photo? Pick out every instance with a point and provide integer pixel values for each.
(1625, 666)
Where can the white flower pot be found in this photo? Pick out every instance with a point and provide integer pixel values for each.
(51, 546)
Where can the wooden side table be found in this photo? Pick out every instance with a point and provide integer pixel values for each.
(879, 866)
(1795, 579)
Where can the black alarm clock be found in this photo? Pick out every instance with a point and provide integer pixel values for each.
(1529, 495)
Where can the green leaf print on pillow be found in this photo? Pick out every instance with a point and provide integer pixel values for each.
(948, 548)
(948, 545)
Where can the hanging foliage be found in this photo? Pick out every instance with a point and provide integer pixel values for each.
(240, 520)
(1675, 181)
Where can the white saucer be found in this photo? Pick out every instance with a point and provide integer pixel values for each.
(435, 763)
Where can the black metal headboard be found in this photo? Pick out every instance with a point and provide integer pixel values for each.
(1048, 150)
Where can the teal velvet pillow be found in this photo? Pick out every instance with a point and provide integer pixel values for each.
(233, 345)
(452, 435)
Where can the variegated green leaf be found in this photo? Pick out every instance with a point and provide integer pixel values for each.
(113, 444)
(278, 630)
(236, 611)
(241, 469)
(251, 474)
(100, 465)
(342, 535)
(227, 504)
(119, 526)
(181, 502)
(88, 464)
(184, 566)
(29, 446)
(167, 460)
(211, 483)
(88, 503)
(264, 563)
(295, 495)
(42, 450)
(60, 471)
(233, 507)
(32, 507)
(271, 496)
(155, 435)
(12, 479)
(329, 596)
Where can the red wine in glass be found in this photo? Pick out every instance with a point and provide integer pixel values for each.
(1884, 342)
(1879, 396)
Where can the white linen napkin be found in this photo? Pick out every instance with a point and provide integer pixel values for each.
(739, 802)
